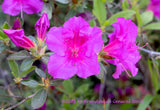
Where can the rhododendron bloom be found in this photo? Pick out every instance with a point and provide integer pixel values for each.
(18, 38)
(42, 25)
(14, 7)
(75, 46)
(122, 47)
(154, 6)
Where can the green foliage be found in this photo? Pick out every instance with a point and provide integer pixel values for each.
(40, 73)
(138, 18)
(68, 86)
(92, 23)
(146, 17)
(19, 55)
(125, 5)
(26, 64)
(127, 14)
(24, 73)
(146, 101)
(39, 99)
(152, 26)
(14, 68)
(30, 83)
(99, 11)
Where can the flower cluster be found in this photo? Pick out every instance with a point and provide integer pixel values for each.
(122, 47)
(16, 34)
(75, 45)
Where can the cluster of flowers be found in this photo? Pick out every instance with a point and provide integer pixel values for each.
(76, 45)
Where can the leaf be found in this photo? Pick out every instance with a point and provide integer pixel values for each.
(126, 14)
(92, 23)
(45, 59)
(99, 11)
(14, 68)
(143, 3)
(39, 99)
(3, 35)
(48, 9)
(147, 17)
(82, 89)
(30, 83)
(2, 47)
(146, 101)
(68, 86)
(56, 82)
(40, 73)
(63, 1)
(138, 18)
(27, 71)
(126, 106)
(125, 5)
(19, 55)
(152, 26)
(26, 64)
(6, 26)
(70, 14)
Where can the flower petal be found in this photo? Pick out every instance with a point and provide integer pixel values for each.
(59, 67)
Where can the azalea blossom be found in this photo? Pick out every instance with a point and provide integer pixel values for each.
(18, 38)
(122, 47)
(41, 26)
(14, 7)
(75, 45)
(154, 6)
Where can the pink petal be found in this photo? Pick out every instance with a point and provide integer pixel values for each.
(89, 66)
(55, 41)
(11, 7)
(59, 67)
(32, 6)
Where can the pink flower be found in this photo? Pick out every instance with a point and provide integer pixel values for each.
(122, 47)
(42, 25)
(18, 38)
(154, 6)
(14, 7)
(75, 46)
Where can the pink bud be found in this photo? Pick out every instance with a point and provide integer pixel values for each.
(18, 38)
(41, 26)
(16, 24)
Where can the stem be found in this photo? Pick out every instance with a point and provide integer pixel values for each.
(14, 106)
(152, 53)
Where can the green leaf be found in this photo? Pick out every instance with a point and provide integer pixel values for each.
(3, 35)
(30, 83)
(24, 73)
(68, 86)
(127, 14)
(143, 3)
(6, 26)
(82, 89)
(92, 23)
(99, 11)
(26, 64)
(152, 26)
(138, 18)
(19, 55)
(39, 99)
(147, 17)
(48, 9)
(2, 47)
(126, 106)
(63, 1)
(45, 59)
(104, 1)
(14, 68)
(125, 5)
(70, 14)
(40, 73)
(56, 82)
(146, 101)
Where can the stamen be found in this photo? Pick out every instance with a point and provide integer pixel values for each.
(125, 70)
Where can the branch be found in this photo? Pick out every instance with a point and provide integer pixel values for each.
(152, 53)
(11, 96)
(14, 106)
